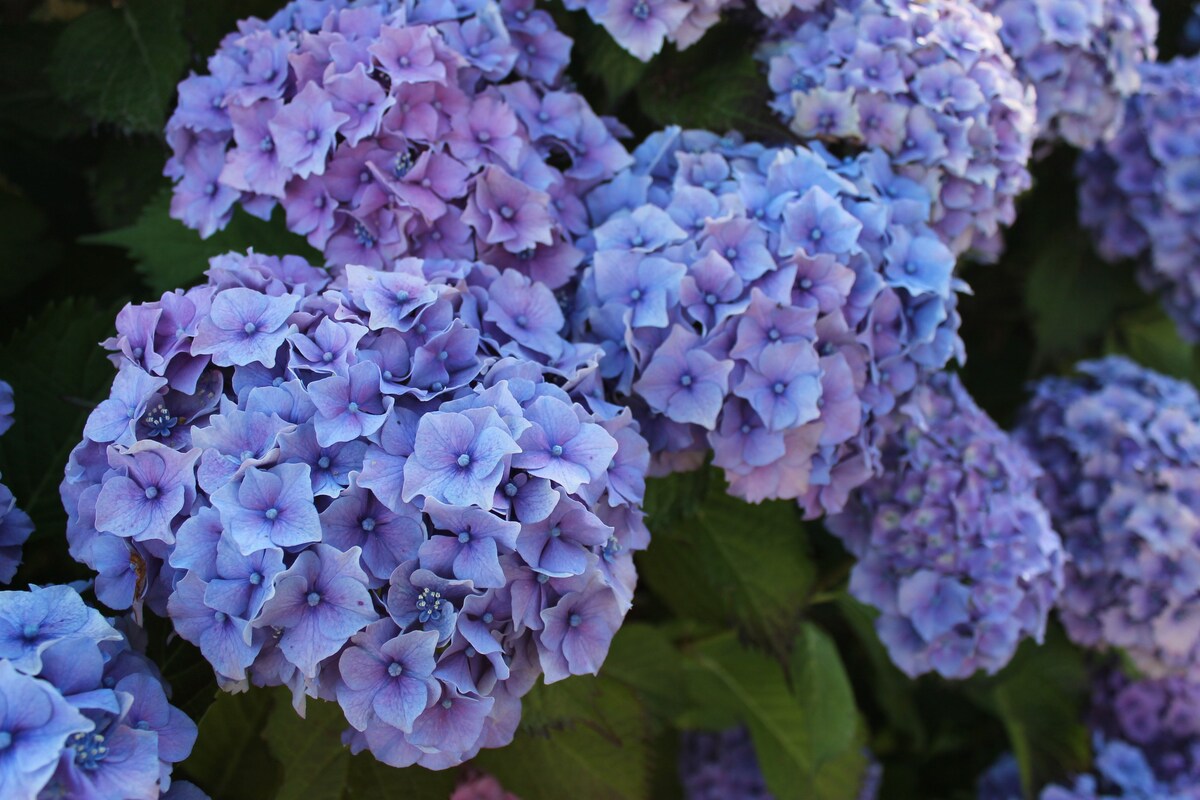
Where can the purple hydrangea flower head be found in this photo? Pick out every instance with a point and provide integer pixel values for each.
(714, 766)
(930, 85)
(388, 129)
(15, 524)
(1120, 447)
(89, 715)
(954, 548)
(1081, 57)
(408, 526)
(1139, 194)
(767, 303)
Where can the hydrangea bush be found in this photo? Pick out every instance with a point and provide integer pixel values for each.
(953, 546)
(83, 714)
(930, 84)
(15, 524)
(1120, 449)
(1082, 58)
(1139, 194)
(387, 129)
(375, 487)
(767, 304)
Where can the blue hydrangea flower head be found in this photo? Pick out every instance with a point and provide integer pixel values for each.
(82, 713)
(1139, 194)
(716, 766)
(1081, 57)
(930, 85)
(403, 491)
(1120, 448)
(15, 524)
(768, 304)
(387, 129)
(954, 548)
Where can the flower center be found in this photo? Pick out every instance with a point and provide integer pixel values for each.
(686, 380)
(574, 620)
(250, 327)
(464, 460)
(352, 407)
(255, 578)
(271, 513)
(313, 598)
(464, 537)
(556, 450)
(395, 669)
(429, 605)
(641, 9)
(30, 631)
(368, 524)
(5, 740)
(89, 748)
(778, 388)
(323, 462)
(151, 492)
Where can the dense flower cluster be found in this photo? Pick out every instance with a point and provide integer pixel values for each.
(1082, 58)
(953, 546)
(373, 489)
(767, 304)
(83, 714)
(15, 524)
(928, 83)
(388, 129)
(1120, 447)
(1147, 742)
(1139, 194)
(724, 766)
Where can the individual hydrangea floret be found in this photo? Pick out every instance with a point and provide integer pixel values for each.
(15, 524)
(404, 504)
(1120, 448)
(723, 766)
(953, 546)
(928, 83)
(767, 304)
(1081, 57)
(1139, 194)
(83, 714)
(387, 129)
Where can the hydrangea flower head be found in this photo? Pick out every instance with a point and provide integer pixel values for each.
(1139, 194)
(403, 503)
(929, 84)
(714, 766)
(387, 129)
(954, 548)
(1082, 58)
(767, 303)
(1120, 447)
(82, 713)
(15, 524)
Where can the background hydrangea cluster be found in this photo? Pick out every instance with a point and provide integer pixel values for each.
(1082, 57)
(15, 524)
(767, 304)
(723, 766)
(83, 714)
(386, 129)
(481, 787)
(931, 85)
(374, 490)
(1139, 194)
(953, 546)
(1120, 448)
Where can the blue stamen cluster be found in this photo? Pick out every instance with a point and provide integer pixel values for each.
(83, 714)
(1139, 194)
(767, 304)
(928, 83)
(389, 129)
(1081, 57)
(953, 546)
(379, 488)
(1120, 447)
(15, 524)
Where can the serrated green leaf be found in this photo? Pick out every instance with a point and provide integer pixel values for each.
(585, 738)
(823, 690)
(608, 63)
(171, 256)
(310, 752)
(370, 779)
(231, 759)
(29, 107)
(1151, 338)
(120, 65)
(643, 658)
(58, 373)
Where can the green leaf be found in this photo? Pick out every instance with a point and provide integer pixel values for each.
(58, 374)
(643, 658)
(170, 256)
(585, 738)
(29, 107)
(370, 779)
(823, 689)
(315, 762)
(231, 759)
(1039, 697)
(608, 63)
(120, 65)
(24, 241)
(1150, 337)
